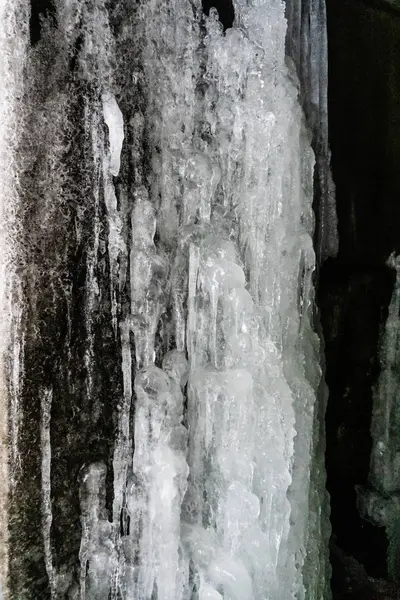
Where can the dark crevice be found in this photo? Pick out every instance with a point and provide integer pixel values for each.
(225, 10)
(76, 49)
(354, 290)
(40, 10)
(352, 302)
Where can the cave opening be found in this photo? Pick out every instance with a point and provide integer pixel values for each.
(355, 288)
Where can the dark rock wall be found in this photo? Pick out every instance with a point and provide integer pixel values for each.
(364, 105)
(355, 289)
(59, 213)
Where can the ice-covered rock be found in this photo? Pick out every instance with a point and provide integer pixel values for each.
(380, 501)
(194, 256)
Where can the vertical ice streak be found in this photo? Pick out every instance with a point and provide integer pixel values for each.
(159, 473)
(17, 373)
(307, 46)
(14, 21)
(121, 464)
(111, 165)
(92, 287)
(148, 280)
(97, 552)
(47, 515)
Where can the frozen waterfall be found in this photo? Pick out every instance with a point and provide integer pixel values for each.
(161, 374)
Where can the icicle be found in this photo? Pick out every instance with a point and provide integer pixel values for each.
(123, 446)
(14, 44)
(159, 480)
(111, 165)
(148, 280)
(192, 315)
(115, 123)
(17, 372)
(307, 45)
(47, 515)
(97, 552)
(385, 458)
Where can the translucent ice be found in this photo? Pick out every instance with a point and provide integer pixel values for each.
(307, 46)
(14, 48)
(160, 473)
(97, 552)
(115, 124)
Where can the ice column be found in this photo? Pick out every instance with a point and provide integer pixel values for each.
(14, 27)
(216, 424)
(97, 552)
(307, 46)
(158, 482)
(381, 501)
(47, 516)
(234, 508)
(111, 165)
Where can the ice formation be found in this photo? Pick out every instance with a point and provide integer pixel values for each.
(196, 230)
(380, 502)
(307, 44)
(13, 49)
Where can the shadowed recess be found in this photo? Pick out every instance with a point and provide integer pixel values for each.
(40, 10)
(225, 10)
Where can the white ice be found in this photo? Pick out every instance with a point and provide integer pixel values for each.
(218, 462)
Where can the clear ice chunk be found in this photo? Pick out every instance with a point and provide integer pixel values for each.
(115, 124)
(97, 552)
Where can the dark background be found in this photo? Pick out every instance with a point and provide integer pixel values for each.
(355, 288)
